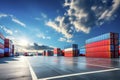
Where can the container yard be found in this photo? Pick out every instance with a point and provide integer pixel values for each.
(98, 57)
(59, 40)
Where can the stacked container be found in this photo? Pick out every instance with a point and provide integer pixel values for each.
(72, 51)
(12, 49)
(57, 52)
(48, 53)
(7, 48)
(103, 46)
(119, 47)
(62, 51)
(43, 53)
(1, 45)
(119, 50)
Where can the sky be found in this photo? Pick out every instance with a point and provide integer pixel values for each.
(57, 23)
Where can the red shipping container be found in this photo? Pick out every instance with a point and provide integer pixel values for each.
(2, 46)
(100, 54)
(100, 49)
(100, 43)
(119, 52)
(71, 53)
(6, 45)
(57, 51)
(62, 52)
(7, 54)
(1, 55)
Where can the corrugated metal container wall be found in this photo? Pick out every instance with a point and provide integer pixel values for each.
(13, 49)
(103, 46)
(1, 45)
(119, 50)
(101, 37)
(48, 53)
(71, 52)
(57, 52)
(7, 48)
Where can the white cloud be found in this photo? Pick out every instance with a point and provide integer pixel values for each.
(108, 13)
(16, 31)
(13, 19)
(62, 39)
(59, 27)
(82, 16)
(3, 15)
(8, 31)
(18, 22)
(43, 15)
(41, 35)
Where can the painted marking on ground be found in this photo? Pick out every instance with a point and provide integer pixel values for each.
(34, 77)
(78, 74)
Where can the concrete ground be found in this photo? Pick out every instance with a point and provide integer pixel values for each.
(14, 68)
(74, 68)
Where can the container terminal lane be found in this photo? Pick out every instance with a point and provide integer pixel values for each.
(98, 60)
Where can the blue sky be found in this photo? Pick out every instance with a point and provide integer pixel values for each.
(58, 23)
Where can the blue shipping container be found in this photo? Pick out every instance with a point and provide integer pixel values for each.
(1, 41)
(6, 49)
(1, 51)
(98, 38)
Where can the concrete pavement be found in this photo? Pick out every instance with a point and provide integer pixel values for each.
(14, 68)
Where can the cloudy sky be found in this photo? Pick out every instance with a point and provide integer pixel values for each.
(57, 23)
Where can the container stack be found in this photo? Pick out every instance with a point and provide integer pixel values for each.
(1, 45)
(82, 51)
(7, 48)
(119, 50)
(57, 52)
(62, 51)
(43, 53)
(103, 46)
(48, 53)
(12, 49)
(119, 47)
(72, 51)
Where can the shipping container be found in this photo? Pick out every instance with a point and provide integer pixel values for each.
(71, 52)
(8, 47)
(102, 37)
(62, 51)
(103, 46)
(101, 43)
(1, 45)
(57, 51)
(48, 53)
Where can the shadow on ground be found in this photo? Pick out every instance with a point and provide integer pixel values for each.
(6, 59)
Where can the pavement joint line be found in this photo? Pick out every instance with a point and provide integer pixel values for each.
(78, 74)
(34, 77)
